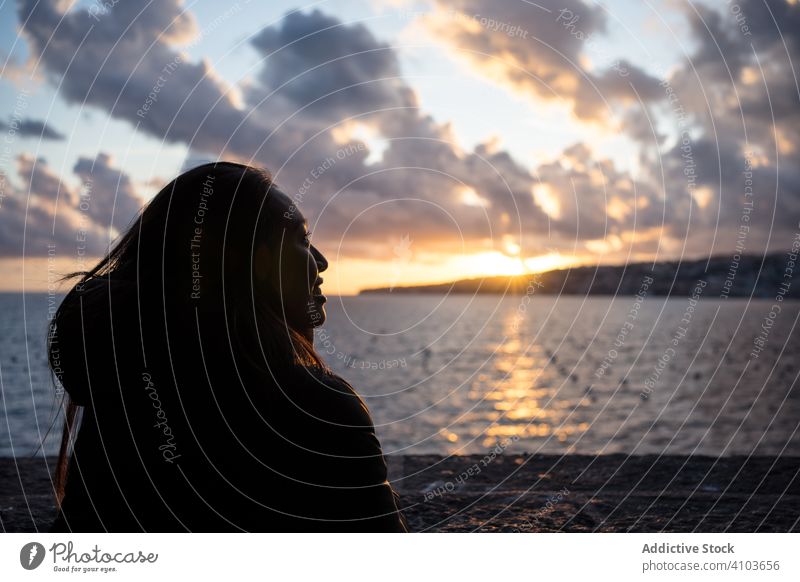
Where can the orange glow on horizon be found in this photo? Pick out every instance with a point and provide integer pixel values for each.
(346, 276)
(354, 275)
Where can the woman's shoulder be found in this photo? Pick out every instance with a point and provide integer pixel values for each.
(330, 398)
(329, 380)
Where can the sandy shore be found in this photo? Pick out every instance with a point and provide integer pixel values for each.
(540, 493)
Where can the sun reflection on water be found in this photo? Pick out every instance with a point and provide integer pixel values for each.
(527, 395)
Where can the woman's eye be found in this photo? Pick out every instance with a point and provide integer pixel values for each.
(307, 238)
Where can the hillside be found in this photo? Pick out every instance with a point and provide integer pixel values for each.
(753, 276)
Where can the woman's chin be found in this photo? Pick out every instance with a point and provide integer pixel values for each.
(317, 313)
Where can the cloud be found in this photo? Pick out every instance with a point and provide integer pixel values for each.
(732, 102)
(540, 49)
(330, 113)
(331, 69)
(336, 78)
(118, 202)
(594, 199)
(127, 61)
(739, 94)
(326, 91)
(31, 128)
(40, 211)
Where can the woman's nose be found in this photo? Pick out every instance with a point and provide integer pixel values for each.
(322, 262)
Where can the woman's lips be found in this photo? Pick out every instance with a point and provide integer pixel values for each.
(316, 292)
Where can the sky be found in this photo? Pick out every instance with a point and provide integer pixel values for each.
(425, 141)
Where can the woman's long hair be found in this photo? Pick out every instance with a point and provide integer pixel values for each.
(217, 210)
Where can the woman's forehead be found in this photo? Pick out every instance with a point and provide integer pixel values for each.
(285, 207)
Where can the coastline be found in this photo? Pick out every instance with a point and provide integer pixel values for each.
(535, 493)
(753, 277)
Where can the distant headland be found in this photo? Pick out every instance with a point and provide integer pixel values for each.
(769, 276)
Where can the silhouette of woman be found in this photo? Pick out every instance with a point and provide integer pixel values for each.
(188, 357)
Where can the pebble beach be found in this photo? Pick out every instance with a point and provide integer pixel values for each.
(534, 493)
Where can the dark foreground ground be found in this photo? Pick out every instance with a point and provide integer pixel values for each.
(573, 493)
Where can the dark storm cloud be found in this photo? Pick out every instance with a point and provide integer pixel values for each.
(125, 62)
(336, 69)
(31, 128)
(730, 32)
(740, 90)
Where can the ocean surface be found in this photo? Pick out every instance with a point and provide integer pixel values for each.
(477, 374)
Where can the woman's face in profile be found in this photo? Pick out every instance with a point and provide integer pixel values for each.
(293, 264)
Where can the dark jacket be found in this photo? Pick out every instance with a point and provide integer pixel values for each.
(181, 435)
